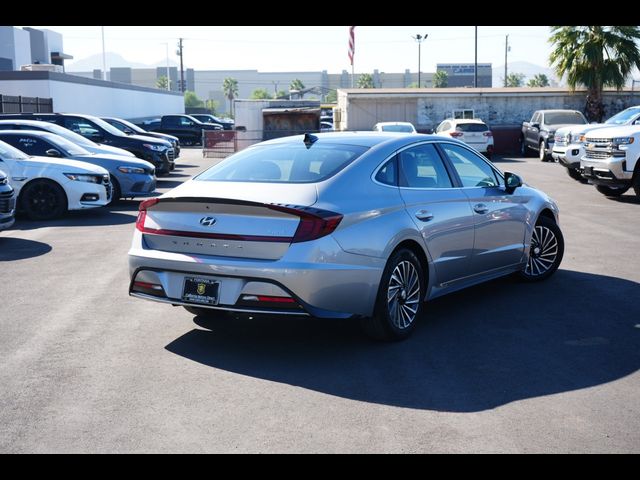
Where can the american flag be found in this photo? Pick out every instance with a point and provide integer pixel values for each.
(352, 43)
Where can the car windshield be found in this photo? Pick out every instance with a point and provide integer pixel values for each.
(397, 128)
(7, 151)
(132, 126)
(69, 135)
(70, 147)
(624, 116)
(560, 118)
(284, 163)
(106, 126)
(472, 127)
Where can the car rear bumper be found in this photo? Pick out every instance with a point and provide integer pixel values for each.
(346, 288)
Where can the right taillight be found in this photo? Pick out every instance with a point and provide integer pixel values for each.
(488, 134)
(314, 223)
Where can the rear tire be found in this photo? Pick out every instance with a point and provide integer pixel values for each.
(636, 183)
(545, 253)
(610, 191)
(43, 200)
(400, 298)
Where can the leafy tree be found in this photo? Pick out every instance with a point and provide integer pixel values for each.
(192, 100)
(296, 84)
(162, 82)
(230, 89)
(440, 79)
(260, 94)
(596, 57)
(413, 85)
(281, 94)
(212, 105)
(332, 96)
(538, 80)
(515, 79)
(365, 81)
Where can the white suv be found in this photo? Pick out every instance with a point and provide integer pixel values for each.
(403, 127)
(612, 159)
(472, 131)
(47, 187)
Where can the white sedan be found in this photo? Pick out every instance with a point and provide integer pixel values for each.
(48, 187)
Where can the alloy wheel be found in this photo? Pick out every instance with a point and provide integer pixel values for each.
(403, 294)
(543, 253)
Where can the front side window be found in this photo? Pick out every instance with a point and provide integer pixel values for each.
(284, 163)
(29, 145)
(422, 167)
(472, 169)
(185, 122)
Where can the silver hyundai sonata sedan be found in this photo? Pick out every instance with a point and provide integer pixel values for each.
(346, 224)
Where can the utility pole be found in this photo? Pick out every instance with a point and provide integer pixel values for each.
(179, 52)
(475, 69)
(275, 88)
(420, 38)
(506, 49)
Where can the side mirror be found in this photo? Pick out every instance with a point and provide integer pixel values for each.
(52, 152)
(511, 181)
(535, 125)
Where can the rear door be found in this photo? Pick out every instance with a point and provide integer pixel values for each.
(440, 211)
(499, 217)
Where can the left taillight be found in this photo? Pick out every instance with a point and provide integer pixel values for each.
(142, 212)
(314, 223)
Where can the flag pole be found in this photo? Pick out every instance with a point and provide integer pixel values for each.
(352, 50)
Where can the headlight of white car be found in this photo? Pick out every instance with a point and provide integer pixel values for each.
(84, 177)
(620, 142)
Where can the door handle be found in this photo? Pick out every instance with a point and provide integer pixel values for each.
(424, 215)
(480, 208)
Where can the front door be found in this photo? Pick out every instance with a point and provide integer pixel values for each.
(500, 217)
(439, 210)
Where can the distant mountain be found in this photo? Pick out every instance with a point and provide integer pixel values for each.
(528, 69)
(113, 60)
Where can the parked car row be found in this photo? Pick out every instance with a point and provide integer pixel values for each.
(605, 154)
(51, 163)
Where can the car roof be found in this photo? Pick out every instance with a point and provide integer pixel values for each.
(463, 120)
(22, 121)
(561, 110)
(362, 139)
(394, 123)
(34, 133)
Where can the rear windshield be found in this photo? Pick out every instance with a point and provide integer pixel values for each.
(397, 128)
(284, 163)
(472, 127)
(564, 117)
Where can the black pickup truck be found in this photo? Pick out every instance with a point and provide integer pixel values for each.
(185, 127)
(539, 133)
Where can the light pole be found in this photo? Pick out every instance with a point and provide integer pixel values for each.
(419, 38)
(166, 44)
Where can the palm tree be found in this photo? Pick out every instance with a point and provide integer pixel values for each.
(440, 79)
(365, 80)
(297, 85)
(596, 57)
(230, 89)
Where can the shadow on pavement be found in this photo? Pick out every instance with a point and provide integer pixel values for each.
(161, 183)
(20, 249)
(508, 159)
(474, 350)
(85, 218)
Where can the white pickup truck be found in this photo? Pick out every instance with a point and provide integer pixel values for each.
(612, 159)
(568, 148)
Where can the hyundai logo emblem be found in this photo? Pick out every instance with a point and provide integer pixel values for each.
(208, 221)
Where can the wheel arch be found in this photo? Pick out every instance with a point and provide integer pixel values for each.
(418, 250)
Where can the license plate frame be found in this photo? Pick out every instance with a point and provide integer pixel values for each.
(200, 290)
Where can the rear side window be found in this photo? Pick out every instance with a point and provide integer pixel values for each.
(472, 127)
(388, 174)
(284, 163)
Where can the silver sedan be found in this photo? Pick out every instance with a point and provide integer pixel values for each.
(367, 225)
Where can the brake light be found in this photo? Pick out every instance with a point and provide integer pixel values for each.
(456, 134)
(142, 213)
(314, 223)
(488, 134)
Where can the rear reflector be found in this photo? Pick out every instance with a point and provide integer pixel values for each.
(148, 288)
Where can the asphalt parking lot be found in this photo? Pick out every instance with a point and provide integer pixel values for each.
(502, 367)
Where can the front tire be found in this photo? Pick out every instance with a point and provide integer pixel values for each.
(116, 192)
(399, 300)
(43, 200)
(542, 154)
(575, 174)
(546, 251)
(610, 191)
(524, 150)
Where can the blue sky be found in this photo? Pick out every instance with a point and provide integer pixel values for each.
(293, 48)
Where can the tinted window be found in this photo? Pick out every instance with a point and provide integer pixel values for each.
(171, 121)
(559, 118)
(285, 162)
(81, 127)
(422, 167)
(472, 127)
(472, 169)
(388, 173)
(397, 128)
(29, 145)
(120, 126)
(186, 122)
